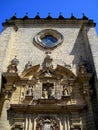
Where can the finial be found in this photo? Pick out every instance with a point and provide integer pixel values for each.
(37, 16)
(26, 13)
(14, 17)
(83, 14)
(72, 16)
(49, 13)
(84, 17)
(26, 16)
(28, 65)
(15, 14)
(12, 68)
(49, 16)
(37, 13)
(60, 13)
(60, 16)
(15, 61)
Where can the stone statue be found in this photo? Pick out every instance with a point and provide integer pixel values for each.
(29, 91)
(12, 68)
(70, 87)
(45, 94)
(51, 93)
(47, 64)
(65, 90)
(28, 65)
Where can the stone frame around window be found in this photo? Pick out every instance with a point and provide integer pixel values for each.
(54, 33)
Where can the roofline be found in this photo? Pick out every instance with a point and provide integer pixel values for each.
(14, 21)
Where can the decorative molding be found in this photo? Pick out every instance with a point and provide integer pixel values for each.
(48, 32)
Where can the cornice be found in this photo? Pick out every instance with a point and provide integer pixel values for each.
(42, 21)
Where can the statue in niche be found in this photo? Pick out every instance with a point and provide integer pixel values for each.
(48, 94)
(51, 93)
(70, 88)
(48, 91)
(22, 96)
(28, 65)
(45, 94)
(67, 89)
(29, 90)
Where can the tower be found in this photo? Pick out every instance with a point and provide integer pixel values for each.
(48, 74)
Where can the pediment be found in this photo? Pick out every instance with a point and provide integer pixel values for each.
(50, 74)
(65, 71)
(30, 72)
(38, 72)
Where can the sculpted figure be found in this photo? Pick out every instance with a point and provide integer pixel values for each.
(28, 65)
(70, 88)
(65, 90)
(47, 64)
(51, 93)
(29, 90)
(45, 94)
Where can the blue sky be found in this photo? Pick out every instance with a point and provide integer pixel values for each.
(77, 7)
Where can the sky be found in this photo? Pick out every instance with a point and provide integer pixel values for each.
(9, 7)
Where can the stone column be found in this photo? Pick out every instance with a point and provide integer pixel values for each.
(30, 122)
(26, 122)
(68, 122)
(28, 125)
(65, 123)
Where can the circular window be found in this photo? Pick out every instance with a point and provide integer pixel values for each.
(48, 39)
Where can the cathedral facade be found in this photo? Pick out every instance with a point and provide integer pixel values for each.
(48, 74)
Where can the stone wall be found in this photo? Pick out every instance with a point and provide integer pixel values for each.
(20, 44)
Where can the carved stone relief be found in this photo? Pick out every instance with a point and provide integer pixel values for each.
(12, 68)
(47, 123)
(29, 90)
(48, 91)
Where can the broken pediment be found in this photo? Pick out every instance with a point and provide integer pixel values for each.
(38, 72)
(30, 71)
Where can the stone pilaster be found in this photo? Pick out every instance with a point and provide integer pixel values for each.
(87, 93)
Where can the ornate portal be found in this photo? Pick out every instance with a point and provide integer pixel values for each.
(47, 90)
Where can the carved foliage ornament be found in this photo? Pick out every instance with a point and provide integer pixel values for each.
(47, 123)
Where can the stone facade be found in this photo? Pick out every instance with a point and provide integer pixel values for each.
(51, 88)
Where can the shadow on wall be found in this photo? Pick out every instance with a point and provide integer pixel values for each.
(80, 53)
